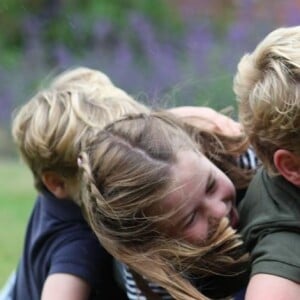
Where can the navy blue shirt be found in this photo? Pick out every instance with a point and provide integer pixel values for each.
(58, 240)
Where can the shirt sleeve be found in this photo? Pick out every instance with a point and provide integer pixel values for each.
(277, 254)
(84, 258)
(80, 254)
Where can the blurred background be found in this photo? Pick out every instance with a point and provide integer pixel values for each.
(163, 52)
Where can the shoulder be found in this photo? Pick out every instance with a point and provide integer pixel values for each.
(269, 221)
(88, 260)
(270, 200)
(271, 254)
(81, 256)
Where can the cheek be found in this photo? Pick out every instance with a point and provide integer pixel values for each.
(198, 232)
(227, 187)
(202, 231)
(218, 209)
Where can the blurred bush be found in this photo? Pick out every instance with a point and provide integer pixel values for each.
(164, 52)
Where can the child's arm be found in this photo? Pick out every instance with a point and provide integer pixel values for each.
(212, 119)
(270, 287)
(65, 287)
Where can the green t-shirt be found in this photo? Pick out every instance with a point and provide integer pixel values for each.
(270, 226)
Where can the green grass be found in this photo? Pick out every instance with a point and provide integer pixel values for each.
(17, 195)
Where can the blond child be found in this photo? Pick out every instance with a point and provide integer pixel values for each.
(267, 86)
(62, 258)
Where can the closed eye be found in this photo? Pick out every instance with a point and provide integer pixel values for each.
(190, 220)
(211, 185)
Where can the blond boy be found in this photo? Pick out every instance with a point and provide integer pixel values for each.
(267, 86)
(62, 258)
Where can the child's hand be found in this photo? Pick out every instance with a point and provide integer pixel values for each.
(208, 119)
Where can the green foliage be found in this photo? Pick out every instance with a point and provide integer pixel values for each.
(57, 21)
(16, 199)
(11, 36)
(7, 148)
(157, 10)
(165, 16)
(10, 19)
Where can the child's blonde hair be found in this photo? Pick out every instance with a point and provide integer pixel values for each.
(267, 87)
(126, 170)
(48, 129)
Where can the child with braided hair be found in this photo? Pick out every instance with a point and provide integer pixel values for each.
(160, 196)
(61, 258)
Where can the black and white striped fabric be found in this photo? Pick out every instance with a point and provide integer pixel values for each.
(247, 161)
(134, 293)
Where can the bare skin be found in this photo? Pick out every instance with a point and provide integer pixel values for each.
(203, 191)
(209, 119)
(65, 287)
(270, 287)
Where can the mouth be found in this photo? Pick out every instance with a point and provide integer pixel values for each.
(233, 218)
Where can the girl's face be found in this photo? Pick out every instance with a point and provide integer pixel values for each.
(204, 195)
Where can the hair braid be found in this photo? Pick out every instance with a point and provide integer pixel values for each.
(124, 170)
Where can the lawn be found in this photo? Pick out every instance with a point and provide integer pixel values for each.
(16, 199)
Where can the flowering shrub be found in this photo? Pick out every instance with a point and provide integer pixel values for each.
(167, 56)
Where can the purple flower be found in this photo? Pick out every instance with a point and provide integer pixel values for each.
(61, 55)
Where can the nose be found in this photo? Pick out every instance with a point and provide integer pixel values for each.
(219, 209)
(219, 206)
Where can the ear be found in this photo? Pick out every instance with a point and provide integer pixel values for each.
(55, 184)
(288, 165)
